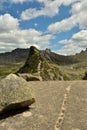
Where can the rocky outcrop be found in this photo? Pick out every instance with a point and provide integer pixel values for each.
(15, 93)
(31, 64)
(30, 77)
(39, 65)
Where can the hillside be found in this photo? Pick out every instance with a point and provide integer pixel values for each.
(15, 56)
(59, 59)
(39, 64)
(81, 57)
(20, 55)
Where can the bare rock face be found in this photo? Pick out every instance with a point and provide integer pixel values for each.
(15, 93)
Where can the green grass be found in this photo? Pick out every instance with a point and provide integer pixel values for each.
(9, 68)
(68, 72)
(74, 71)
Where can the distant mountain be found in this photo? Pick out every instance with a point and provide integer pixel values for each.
(15, 56)
(66, 60)
(20, 55)
(59, 59)
(81, 57)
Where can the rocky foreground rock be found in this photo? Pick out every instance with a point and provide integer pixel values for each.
(15, 93)
(53, 98)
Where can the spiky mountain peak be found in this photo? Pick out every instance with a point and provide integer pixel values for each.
(39, 63)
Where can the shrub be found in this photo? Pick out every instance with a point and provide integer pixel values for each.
(85, 76)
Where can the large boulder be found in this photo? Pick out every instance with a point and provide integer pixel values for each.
(15, 93)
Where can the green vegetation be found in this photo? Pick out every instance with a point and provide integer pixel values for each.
(31, 66)
(32, 62)
(49, 71)
(9, 68)
(85, 76)
(53, 66)
(73, 72)
(68, 72)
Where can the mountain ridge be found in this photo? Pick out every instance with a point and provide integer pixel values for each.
(16, 55)
(20, 54)
(44, 63)
(48, 63)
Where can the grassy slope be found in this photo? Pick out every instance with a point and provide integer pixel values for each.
(9, 68)
(69, 72)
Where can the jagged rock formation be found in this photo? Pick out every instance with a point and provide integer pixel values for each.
(15, 93)
(32, 61)
(40, 64)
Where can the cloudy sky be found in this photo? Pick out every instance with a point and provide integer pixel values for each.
(60, 25)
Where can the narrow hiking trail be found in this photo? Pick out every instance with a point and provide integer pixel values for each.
(61, 116)
(39, 68)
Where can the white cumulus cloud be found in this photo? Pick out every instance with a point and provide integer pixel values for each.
(62, 26)
(78, 17)
(50, 8)
(74, 45)
(8, 23)
(11, 36)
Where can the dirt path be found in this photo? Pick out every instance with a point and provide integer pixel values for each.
(39, 68)
(53, 98)
(61, 116)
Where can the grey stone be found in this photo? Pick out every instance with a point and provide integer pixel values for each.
(15, 93)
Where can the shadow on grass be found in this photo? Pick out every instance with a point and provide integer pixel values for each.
(11, 113)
